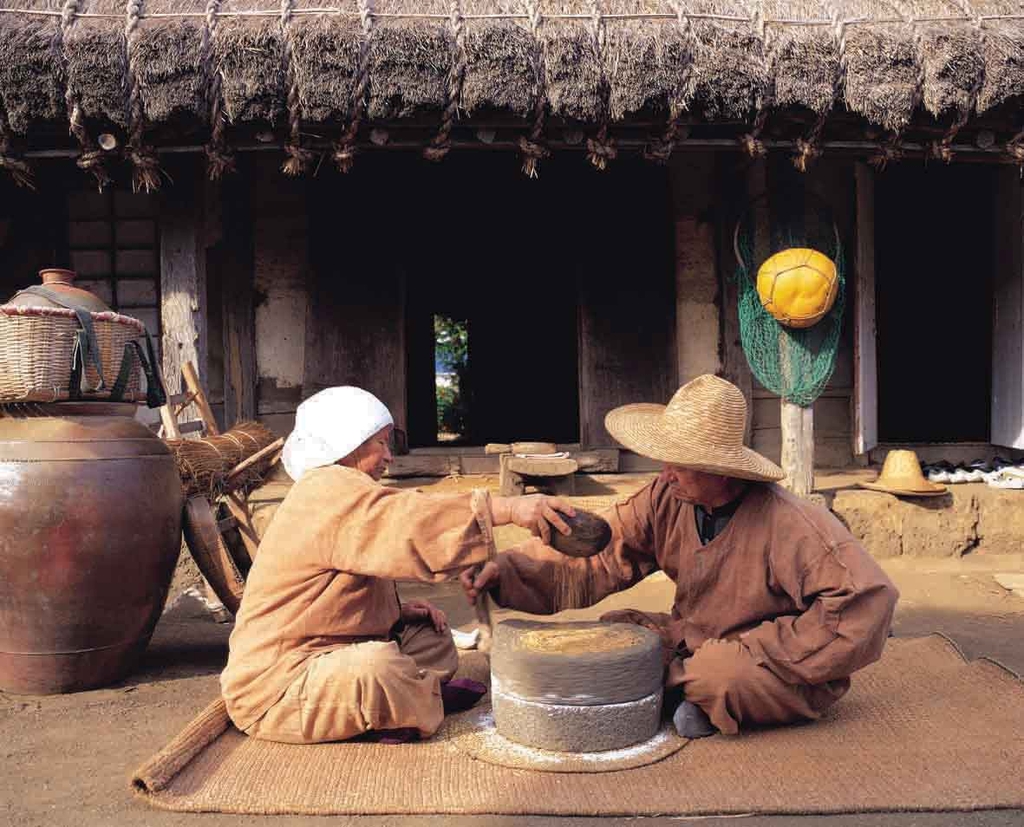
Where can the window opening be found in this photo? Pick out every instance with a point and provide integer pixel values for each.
(451, 364)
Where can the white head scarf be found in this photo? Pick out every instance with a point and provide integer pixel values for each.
(330, 425)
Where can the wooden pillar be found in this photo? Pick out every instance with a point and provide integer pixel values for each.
(183, 276)
(798, 448)
(238, 301)
(865, 353)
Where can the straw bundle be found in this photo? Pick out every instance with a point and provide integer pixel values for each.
(950, 58)
(96, 57)
(410, 60)
(30, 66)
(573, 67)
(325, 62)
(648, 63)
(805, 59)
(169, 65)
(249, 59)
(203, 463)
(503, 59)
(1002, 51)
(882, 66)
(731, 78)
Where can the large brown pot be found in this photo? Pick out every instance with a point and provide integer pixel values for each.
(90, 529)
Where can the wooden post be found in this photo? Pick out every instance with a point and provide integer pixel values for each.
(798, 448)
(865, 349)
(183, 278)
(237, 290)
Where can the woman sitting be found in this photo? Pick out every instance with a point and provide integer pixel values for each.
(323, 649)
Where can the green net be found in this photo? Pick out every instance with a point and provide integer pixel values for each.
(795, 363)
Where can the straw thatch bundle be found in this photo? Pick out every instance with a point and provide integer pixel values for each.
(31, 74)
(502, 57)
(96, 55)
(648, 63)
(326, 62)
(249, 55)
(197, 64)
(573, 66)
(170, 65)
(204, 463)
(804, 59)
(1002, 52)
(410, 60)
(881, 64)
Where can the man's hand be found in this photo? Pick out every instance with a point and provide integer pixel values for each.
(477, 581)
(416, 611)
(536, 512)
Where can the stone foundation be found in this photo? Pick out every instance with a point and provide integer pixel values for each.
(972, 517)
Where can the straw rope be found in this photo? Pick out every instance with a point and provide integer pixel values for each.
(18, 169)
(219, 158)
(942, 149)
(441, 143)
(808, 148)
(298, 158)
(751, 142)
(203, 464)
(145, 167)
(530, 145)
(660, 150)
(601, 148)
(345, 149)
(91, 158)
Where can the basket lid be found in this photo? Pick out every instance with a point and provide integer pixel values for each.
(61, 283)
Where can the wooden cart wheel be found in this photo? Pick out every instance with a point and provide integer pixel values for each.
(212, 556)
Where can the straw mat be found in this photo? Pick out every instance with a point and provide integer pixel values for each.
(923, 729)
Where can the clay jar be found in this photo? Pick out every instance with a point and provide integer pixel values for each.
(90, 529)
(62, 282)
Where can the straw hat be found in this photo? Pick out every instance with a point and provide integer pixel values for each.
(701, 428)
(901, 475)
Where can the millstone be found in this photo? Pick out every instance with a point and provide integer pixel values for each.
(571, 728)
(580, 663)
(576, 687)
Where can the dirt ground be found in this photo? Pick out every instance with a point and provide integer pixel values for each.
(66, 760)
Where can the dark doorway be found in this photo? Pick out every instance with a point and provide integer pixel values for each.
(495, 251)
(934, 264)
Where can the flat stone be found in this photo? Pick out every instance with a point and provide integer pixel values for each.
(569, 728)
(540, 467)
(941, 526)
(1000, 520)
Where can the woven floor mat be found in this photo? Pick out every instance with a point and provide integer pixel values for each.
(923, 729)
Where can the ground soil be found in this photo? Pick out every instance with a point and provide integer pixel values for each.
(66, 760)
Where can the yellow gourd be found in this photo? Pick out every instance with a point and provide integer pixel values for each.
(798, 286)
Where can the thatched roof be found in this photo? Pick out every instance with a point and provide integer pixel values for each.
(313, 73)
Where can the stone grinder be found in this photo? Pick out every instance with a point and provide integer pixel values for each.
(577, 687)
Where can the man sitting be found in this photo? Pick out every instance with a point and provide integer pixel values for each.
(322, 648)
(776, 603)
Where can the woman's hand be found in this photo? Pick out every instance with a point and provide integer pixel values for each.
(416, 611)
(536, 512)
(476, 581)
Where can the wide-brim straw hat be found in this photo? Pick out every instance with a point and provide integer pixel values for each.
(701, 428)
(901, 475)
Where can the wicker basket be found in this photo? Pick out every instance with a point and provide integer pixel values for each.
(37, 352)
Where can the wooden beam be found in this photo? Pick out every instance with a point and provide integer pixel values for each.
(182, 277)
(238, 299)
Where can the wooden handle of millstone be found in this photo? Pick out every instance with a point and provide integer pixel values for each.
(483, 616)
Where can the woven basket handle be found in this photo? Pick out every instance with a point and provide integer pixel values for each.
(156, 394)
(87, 348)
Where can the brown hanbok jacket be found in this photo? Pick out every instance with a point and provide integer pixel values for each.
(325, 574)
(785, 577)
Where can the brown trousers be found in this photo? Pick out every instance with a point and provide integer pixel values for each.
(366, 686)
(724, 680)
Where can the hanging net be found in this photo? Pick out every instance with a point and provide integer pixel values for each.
(795, 363)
